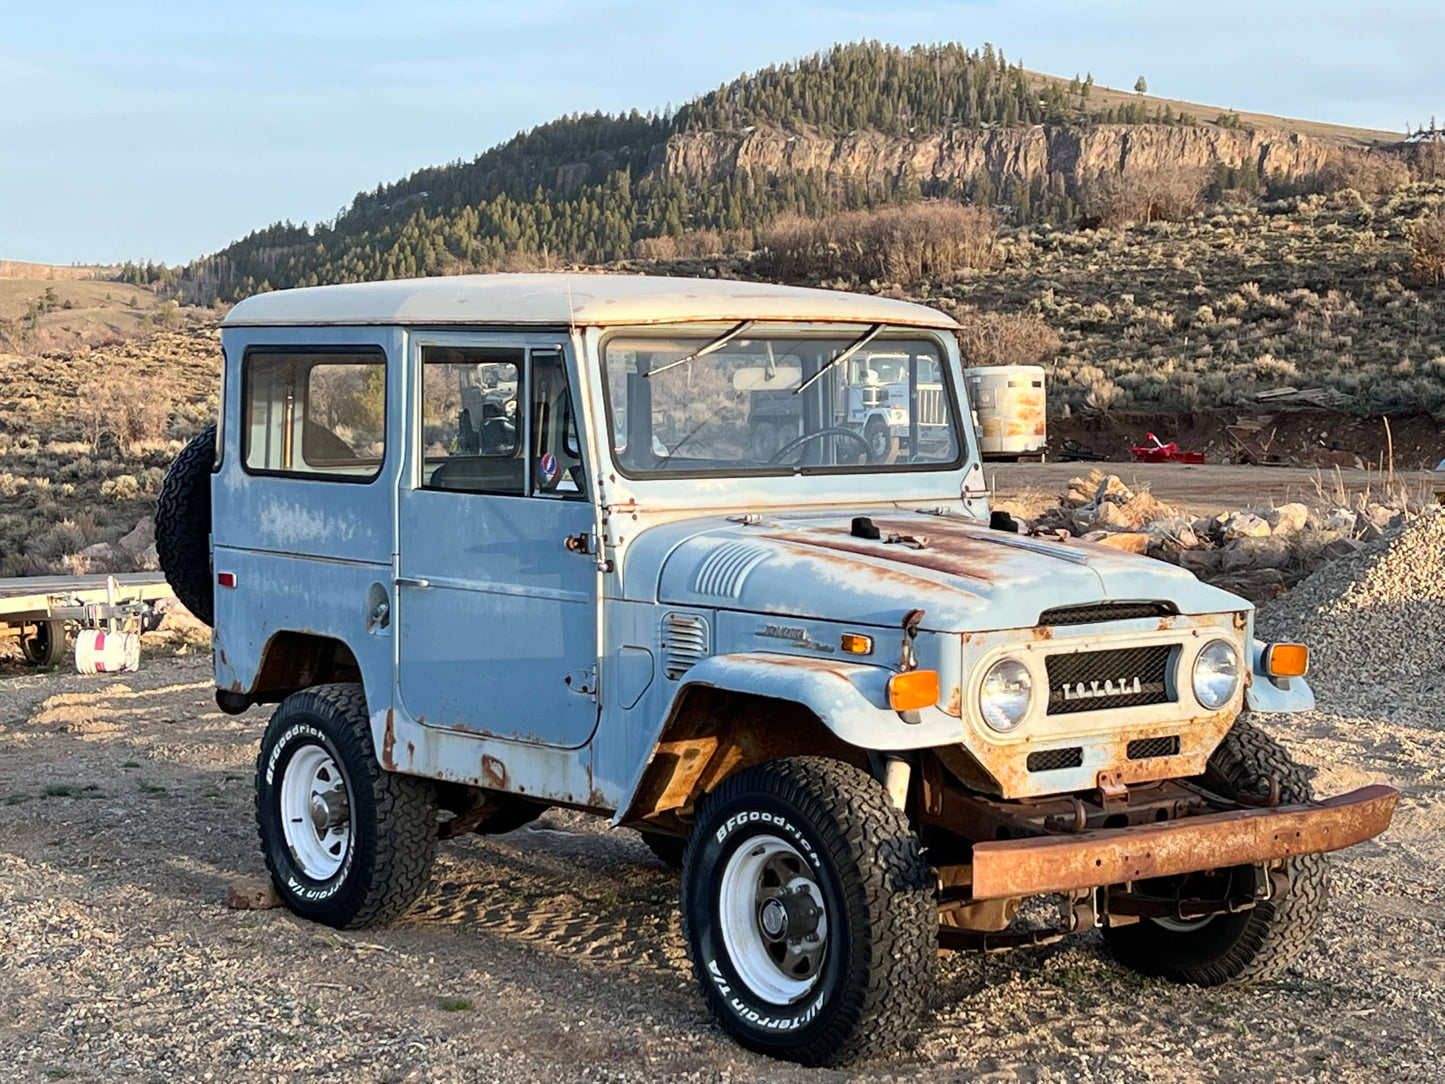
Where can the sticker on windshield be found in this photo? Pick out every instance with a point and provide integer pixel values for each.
(548, 469)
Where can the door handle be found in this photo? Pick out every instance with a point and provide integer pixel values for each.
(410, 581)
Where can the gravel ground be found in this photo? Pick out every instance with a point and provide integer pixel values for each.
(554, 953)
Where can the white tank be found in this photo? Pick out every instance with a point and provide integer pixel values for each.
(1009, 409)
(99, 651)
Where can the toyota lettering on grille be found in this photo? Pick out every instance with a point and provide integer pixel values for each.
(1092, 690)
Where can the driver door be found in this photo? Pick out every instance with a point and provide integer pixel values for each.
(497, 618)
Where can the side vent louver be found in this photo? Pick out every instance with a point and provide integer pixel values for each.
(684, 643)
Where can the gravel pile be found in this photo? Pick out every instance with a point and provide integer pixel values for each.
(1375, 625)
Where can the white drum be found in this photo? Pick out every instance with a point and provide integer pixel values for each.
(98, 651)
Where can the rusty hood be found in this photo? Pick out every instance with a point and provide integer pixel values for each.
(967, 577)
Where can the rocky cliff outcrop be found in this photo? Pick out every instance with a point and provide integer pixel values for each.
(955, 157)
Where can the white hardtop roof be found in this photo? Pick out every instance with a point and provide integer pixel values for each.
(571, 300)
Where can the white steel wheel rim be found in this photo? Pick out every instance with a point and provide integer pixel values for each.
(315, 812)
(778, 970)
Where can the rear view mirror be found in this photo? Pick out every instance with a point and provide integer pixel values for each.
(758, 378)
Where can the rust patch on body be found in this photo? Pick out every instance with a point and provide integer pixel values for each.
(1063, 863)
(388, 742)
(954, 706)
(494, 772)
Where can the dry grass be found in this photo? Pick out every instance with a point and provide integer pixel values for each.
(85, 437)
(929, 239)
(694, 245)
(1002, 338)
(1427, 249)
(1164, 317)
(1164, 195)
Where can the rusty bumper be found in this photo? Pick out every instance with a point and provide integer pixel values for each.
(1042, 864)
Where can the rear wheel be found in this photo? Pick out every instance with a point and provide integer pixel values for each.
(808, 911)
(1247, 946)
(347, 843)
(43, 643)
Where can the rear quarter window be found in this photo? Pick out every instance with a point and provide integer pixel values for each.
(314, 413)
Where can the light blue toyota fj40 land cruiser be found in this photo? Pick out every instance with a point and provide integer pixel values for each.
(500, 543)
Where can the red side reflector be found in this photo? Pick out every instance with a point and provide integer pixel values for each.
(226, 579)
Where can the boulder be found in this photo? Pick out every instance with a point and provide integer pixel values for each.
(1170, 538)
(1200, 562)
(1251, 552)
(142, 538)
(1244, 525)
(1113, 490)
(1128, 541)
(100, 557)
(1110, 517)
(1080, 492)
(1338, 548)
(1287, 518)
(1341, 519)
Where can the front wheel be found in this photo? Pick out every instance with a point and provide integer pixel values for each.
(808, 912)
(1248, 946)
(347, 843)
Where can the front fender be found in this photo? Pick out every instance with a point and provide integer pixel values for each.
(1267, 693)
(850, 699)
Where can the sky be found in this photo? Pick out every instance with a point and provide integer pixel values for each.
(159, 130)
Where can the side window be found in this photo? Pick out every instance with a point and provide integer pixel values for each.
(471, 429)
(556, 452)
(314, 413)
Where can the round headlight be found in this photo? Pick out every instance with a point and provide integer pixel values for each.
(1216, 674)
(1004, 697)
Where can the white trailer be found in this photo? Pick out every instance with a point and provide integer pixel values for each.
(1010, 411)
(107, 611)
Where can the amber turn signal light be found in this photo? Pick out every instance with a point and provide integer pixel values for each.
(1286, 660)
(913, 689)
(856, 644)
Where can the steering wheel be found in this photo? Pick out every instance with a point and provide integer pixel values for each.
(831, 431)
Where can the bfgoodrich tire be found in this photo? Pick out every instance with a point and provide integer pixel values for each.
(1250, 946)
(808, 912)
(348, 844)
(183, 525)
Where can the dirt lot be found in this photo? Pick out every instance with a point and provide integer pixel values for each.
(125, 811)
(1209, 488)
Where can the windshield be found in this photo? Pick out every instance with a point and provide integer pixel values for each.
(750, 402)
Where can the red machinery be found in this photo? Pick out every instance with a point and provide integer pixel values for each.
(1156, 451)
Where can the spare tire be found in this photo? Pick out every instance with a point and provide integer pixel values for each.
(183, 525)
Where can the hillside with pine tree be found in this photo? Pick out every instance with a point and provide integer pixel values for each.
(839, 131)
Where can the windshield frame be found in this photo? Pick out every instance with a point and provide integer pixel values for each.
(845, 333)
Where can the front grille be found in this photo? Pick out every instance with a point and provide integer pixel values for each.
(930, 407)
(1095, 612)
(1053, 760)
(1149, 748)
(1121, 678)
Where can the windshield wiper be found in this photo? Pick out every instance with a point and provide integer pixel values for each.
(711, 348)
(843, 355)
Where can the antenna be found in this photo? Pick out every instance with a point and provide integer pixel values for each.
(571, 311)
